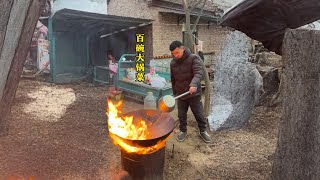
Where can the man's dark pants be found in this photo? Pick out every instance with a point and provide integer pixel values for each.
(196, 106)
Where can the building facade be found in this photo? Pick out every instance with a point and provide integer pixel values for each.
(167, 23)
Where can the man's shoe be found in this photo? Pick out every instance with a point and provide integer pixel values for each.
(181, 136)
(205, 136)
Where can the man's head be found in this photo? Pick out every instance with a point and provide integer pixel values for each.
(177, 49)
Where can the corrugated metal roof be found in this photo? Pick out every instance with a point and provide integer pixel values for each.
(209, 6)
(204, 17)
(73, 20)
(210, 12)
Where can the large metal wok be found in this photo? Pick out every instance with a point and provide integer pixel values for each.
(160, 125)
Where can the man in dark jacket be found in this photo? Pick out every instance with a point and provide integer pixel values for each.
(186, 74)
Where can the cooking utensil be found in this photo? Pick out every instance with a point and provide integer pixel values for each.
(167, 102)
(160, 126)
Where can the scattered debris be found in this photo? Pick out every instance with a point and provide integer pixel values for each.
(50, 102)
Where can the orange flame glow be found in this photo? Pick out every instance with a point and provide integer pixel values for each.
(123, 127)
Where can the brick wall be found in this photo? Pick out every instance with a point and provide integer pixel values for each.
(165, 30)
(164, 26)
(212, 36)
(148, 41)
(132, 8)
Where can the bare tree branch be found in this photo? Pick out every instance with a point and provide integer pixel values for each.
(198, 18)
(185, 4)
(195, 5)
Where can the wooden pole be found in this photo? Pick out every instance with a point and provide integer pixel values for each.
(17, 23)
(298, 151)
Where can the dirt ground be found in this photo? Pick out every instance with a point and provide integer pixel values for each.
(59, 132)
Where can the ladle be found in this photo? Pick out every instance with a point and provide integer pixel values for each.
(168, 102)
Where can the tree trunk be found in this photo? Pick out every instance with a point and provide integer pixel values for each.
(298, 151)
(191, 45)
(189, 42)
(17, 23)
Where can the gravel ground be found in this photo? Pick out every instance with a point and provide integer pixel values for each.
(60, 132)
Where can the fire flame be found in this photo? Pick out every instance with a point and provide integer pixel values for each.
(123, 127)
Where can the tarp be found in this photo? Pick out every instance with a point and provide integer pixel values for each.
(267, 20)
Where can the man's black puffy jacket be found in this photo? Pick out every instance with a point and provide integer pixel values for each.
(186, 72)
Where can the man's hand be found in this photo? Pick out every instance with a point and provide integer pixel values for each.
(192, 90)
